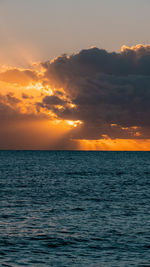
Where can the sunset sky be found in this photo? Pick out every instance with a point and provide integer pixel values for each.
(75, 74)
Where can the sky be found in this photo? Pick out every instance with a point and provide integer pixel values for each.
(74, 74)
(43, 29)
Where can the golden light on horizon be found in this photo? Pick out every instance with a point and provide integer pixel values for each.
(115, 144)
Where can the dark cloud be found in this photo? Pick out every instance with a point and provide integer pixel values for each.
(11, 99)
(10, 112)
(107, 88)
(108, 92)
(25, 96)
(53, 100)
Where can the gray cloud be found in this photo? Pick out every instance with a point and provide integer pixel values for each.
(107, 88)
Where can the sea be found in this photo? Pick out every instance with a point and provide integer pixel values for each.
(74, 208)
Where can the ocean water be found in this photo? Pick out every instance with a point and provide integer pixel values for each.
(65, 208)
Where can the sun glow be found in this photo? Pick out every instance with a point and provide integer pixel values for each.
(72, 105)
(74, 123)
(40, 87)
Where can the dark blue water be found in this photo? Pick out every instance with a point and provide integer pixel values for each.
(74, 208)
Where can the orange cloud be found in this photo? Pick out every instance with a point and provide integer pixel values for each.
(18, 76)
(136, 48)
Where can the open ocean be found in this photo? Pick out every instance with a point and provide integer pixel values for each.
(74, 208)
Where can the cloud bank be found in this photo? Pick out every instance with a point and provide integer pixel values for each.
(111, 91)
(106, 94)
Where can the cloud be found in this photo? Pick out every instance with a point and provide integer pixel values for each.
(20, 127)
(26, 96)
(106, 88)
(21, 77)
(11, 111)
(101, 95)
(53, 100)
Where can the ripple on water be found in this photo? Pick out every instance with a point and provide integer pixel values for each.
(74, 208)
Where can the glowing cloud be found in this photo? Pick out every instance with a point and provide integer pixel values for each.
(95, 99)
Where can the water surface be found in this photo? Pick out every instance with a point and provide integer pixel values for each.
(74, 208)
